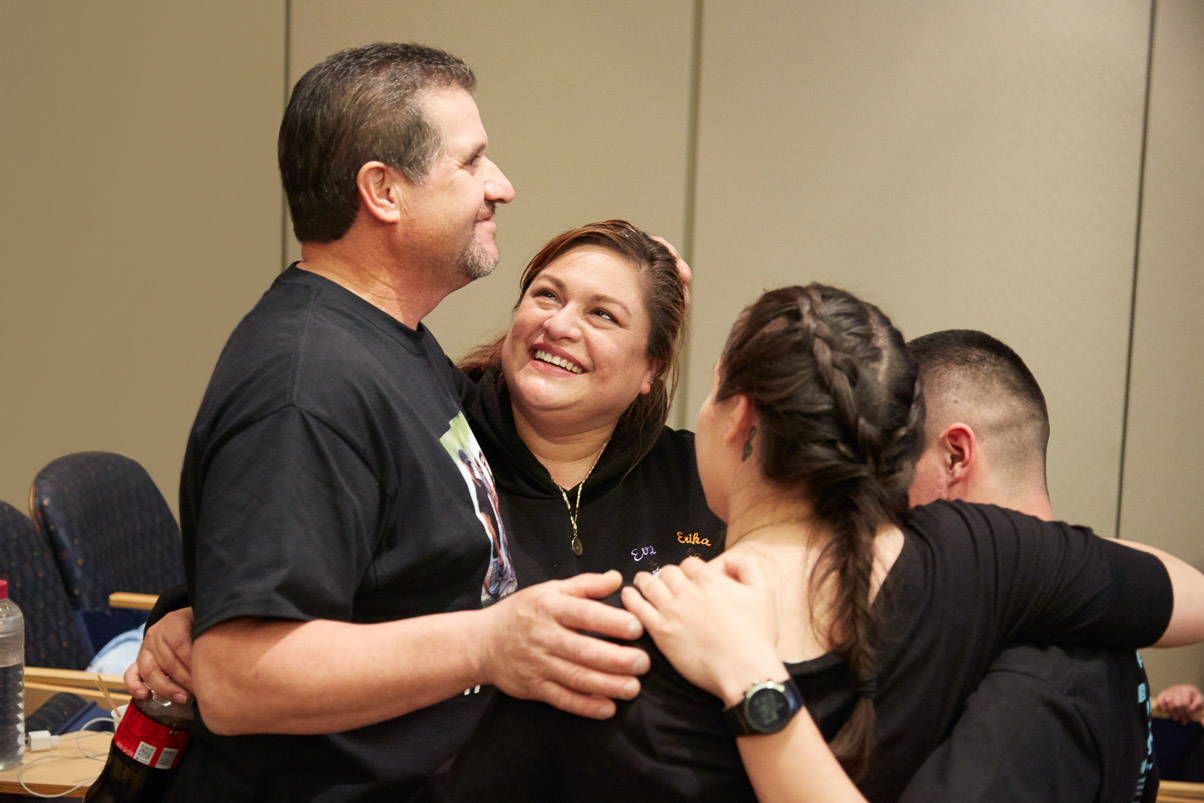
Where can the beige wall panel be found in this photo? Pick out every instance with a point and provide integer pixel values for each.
(141, 218)
(585, 104)
(964, 164)
(1164, 453)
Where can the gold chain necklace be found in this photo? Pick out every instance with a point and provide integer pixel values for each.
(574, 510)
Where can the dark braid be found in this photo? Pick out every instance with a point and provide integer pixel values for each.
(841, 421)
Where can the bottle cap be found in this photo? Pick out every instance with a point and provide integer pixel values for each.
(3, 589)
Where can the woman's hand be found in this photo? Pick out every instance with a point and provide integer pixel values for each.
(716, 622)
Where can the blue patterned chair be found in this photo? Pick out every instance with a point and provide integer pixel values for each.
(110, 530)
(52, 636)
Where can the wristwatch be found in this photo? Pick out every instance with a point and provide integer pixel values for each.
(766, 708)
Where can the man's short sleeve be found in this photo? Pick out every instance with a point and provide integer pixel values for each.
(1048, 582)
(287, 523)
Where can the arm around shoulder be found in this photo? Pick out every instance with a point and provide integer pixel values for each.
(321, 676)
(1186, 625)
(716, 623)
(278, 676)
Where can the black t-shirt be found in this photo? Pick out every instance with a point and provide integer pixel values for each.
(331, 474)
(1062, 724)
(969, 580)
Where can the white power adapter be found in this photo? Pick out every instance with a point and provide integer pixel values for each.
(39, 741)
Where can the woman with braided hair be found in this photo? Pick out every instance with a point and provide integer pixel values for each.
(881, 620)
(831, 595)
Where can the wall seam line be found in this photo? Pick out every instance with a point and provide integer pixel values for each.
(1145, 135)
(288, 32)
(691, 190)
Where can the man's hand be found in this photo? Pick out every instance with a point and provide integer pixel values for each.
(165, 660)
(529, 647)
(532, 647)
(1183, 703)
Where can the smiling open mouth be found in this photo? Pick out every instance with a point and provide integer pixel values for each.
(559, 362)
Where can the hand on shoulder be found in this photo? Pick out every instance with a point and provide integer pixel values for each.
(716, 622)
(534, 646)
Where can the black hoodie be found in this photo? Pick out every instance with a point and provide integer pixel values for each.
(637, 520)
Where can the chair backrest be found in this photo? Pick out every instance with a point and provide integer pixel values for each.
(110, 530)
(52, 635)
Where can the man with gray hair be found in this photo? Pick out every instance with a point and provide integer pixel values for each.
(1046, 723)
(349, 602)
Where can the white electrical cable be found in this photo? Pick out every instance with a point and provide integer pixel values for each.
(102, 756)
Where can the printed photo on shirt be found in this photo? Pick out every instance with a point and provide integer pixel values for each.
(461, 445)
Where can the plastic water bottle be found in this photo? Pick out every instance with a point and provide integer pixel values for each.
(12, 681)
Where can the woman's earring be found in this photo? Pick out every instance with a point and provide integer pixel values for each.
(752, 431)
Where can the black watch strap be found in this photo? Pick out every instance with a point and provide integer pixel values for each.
(767, 707)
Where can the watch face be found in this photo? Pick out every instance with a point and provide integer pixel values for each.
(768, 709)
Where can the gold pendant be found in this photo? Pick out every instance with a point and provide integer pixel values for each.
(577, 549)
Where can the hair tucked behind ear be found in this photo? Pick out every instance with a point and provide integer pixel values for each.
(841, 421)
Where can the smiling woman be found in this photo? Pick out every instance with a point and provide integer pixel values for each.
(608, 285)
(570, 408)
(577, 352)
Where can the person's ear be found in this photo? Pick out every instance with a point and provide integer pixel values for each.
(959, 448)
(654, 370)
(741, 429)
(380, 193)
